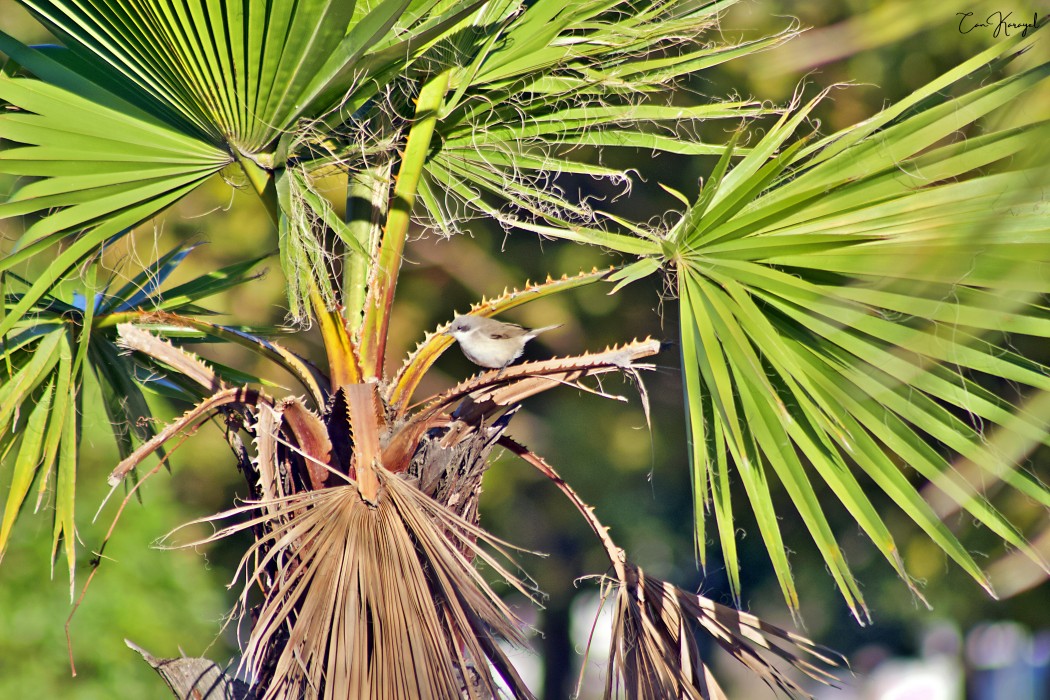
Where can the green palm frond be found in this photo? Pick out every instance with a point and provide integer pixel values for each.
(233, 73)
(152, 99)
(43, 359)
(842, 309)
(123, 158)
(507, 120)
(530, 102)
(96, 166)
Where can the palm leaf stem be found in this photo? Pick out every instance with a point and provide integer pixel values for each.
(342, 361)
(617, 557)
(367, 199)
(381, 293)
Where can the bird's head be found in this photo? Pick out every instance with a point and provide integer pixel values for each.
(462, 325)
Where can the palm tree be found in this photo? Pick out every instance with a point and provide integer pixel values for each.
(843, 301)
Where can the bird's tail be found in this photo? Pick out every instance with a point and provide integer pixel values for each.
(536, 331)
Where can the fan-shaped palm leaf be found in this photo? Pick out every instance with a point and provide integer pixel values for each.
(189, 89)
(44, 357)
(524, 104)
(860, 271)
(835, 301)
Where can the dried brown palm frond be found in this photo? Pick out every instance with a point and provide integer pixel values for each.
(656, 655)
(373, 601)
(368, 586)
(655, 652)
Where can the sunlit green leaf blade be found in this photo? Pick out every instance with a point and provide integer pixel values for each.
(740, 441)
(853, 297)
(27, 463)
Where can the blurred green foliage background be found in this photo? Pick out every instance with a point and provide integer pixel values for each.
(636, 474)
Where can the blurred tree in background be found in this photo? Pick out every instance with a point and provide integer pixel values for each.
(639, 481)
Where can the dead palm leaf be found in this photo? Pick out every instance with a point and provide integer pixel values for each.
(656, 628)
(373, 601)
(369, 588)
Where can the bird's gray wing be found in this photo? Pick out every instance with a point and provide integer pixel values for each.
(508, 331)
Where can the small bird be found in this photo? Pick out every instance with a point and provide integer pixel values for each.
(490, 343)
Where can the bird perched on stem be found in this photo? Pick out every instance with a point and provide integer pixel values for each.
(490, 343)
